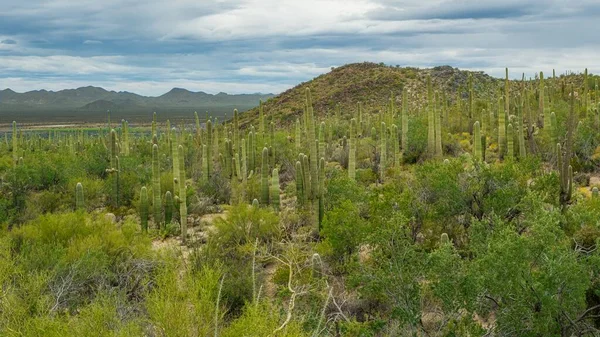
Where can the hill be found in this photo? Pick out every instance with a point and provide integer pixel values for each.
(371, 84)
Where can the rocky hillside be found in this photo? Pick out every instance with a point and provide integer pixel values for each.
(371, 84)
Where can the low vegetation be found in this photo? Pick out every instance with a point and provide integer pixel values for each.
(464, 206)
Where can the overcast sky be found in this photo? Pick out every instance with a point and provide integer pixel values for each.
(246, 46)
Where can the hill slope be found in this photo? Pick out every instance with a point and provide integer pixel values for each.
(370, 84)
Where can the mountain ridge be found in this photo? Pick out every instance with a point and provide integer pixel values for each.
(92, 98)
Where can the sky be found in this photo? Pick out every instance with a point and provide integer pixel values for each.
(268, 46)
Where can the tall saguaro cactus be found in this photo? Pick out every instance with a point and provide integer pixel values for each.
(510, 144)
(168, 207)
(352, 150)
(382, 151)
(156, 196)
(182, 194)
(430, 120)
(264, 195)
(144, 209)
(395, 145)
(404, 120)
(209, 148)
(275, 198)
(501, 128)
(79, 200)
(477, 150)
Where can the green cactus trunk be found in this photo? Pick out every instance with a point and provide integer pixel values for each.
(79, 199)
(510, 148)
(299, 184)
(182, 195)
(244, 161)
(396, 145)
(438, 130)
(430, 120)
(298, 140)
(352, 150)
(321, 192)
(501, 129)
(156, 195)
(144, 209)
(404, 120)
(321, 153)
(168, 208)
(175, 155)
(382, 151)
(275, 198)
(209, 149)
(264, 196)
(477, 151)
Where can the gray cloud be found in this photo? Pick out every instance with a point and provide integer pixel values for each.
(254, 45)
(8, 41)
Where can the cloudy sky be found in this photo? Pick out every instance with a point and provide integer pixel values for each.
(243, 46)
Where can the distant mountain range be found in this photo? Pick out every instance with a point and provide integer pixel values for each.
(98, 99)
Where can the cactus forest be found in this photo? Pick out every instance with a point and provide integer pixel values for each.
(448, 203)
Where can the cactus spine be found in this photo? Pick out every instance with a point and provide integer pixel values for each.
(275, 198)
(144, 209)
(182, 194)
(79, 200)
(156, 197)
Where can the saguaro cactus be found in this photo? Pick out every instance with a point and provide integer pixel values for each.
(144, 209)
(156, 196)
(477, 151)
(510, 147)
(438, 130)
(265, 177)
(168, 207)
(79, 200)
(352, 150)
(182, 195)
(404, 121)
(501, 128)
(209, 149)
(396, 145)
(430, 120)
(298, 139)
(382, 151)
(299, 184)
(321, 191)
(275, 198)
